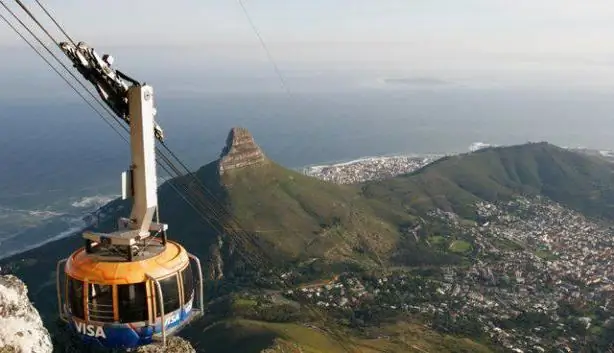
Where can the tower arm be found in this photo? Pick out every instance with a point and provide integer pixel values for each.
(109, 83)
(134, 103)
(143, 179)
(140, 182)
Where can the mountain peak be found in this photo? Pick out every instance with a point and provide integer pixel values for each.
(240, 151)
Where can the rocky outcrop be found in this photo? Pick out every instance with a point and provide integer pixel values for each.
(215, 265)
(241, 151)
(21, 327)
(173, 345)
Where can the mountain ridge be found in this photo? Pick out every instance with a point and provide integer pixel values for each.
(576, 180)
(275, 204)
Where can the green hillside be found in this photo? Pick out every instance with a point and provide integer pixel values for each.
(295, 217)
(296, 220)
(302, 217)
(249, 336)
(581, 182)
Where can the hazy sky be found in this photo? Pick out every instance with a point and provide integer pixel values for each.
(541, 25)
(550, 41)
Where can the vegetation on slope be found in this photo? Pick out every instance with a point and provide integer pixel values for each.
(454, 183)
(291, 218)
(249, 336)
(302, 217)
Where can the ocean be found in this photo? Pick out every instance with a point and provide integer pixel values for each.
(59, 161)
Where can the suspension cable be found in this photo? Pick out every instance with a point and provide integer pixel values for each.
(264, 46)
(56, 23)
(71, 85)
(229, 217)
(204, 189)
(341, 338)
(55, 41)
(55, 56)
(64, 78)
(36, 21)
(220, 213)
(200, 197)
(107, 109)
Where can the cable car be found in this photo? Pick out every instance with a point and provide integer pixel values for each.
(126, 304)
(133, 286)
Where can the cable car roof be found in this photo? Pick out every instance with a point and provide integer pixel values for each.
(83, 266)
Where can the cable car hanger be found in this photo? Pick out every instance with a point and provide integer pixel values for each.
(130, 287)
(109, 83)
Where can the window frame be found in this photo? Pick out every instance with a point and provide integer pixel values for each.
(70, 295)
(164, 295)
(83, 310)
(145, 313)
(101, 318)
(185, 298)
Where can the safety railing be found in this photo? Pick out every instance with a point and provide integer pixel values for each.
(161, 301)
(100, 312)
(201, 301)
(160, 296)
(59, 274)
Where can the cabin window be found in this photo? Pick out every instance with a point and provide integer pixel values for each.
(75, 298)
(188, 284)
(100, 302)
(132, 300)
(170, 292)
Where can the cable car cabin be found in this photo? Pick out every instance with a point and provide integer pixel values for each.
(125, 304)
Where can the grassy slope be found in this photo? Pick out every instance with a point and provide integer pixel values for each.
(250, 336)
(302, 217)
(293, 217)
(454, 183)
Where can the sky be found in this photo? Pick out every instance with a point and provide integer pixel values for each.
(497, 42)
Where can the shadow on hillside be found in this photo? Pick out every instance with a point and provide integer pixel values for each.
(227, 337)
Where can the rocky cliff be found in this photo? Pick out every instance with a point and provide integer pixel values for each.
(21, 327)
(240, 151)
